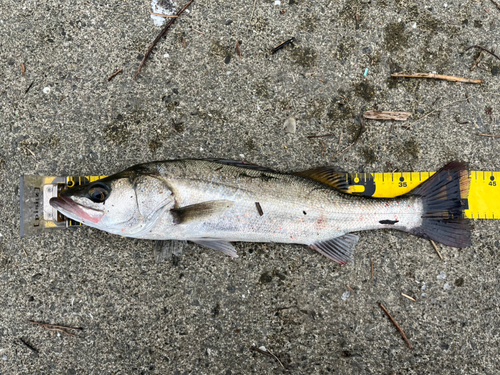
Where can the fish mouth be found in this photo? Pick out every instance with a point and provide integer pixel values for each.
(73, 210)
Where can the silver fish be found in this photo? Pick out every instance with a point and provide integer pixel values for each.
(216, 202)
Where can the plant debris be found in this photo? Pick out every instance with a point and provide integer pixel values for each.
(266, 353)
(386, 115)
(396, 325)
(437, 76)
(55, 327)
(160, 35)
(114, 74)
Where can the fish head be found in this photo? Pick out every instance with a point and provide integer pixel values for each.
(125, 203)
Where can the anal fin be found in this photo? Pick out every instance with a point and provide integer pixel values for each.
(166, 249)
(339, 249)
(220, 245)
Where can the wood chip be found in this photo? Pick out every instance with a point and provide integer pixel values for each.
(386, 115)
(23, 69)
(238, 52)
(437, 76)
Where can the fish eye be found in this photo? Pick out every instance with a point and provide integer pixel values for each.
(98, 192)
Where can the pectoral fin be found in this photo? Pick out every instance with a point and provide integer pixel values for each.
(339, 249)
(200, 211)
(221, 245)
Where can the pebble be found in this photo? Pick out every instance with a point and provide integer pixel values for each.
(346, 295)
(290, 125)
(441, 276)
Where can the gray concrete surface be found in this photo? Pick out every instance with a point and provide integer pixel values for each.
(201, 313)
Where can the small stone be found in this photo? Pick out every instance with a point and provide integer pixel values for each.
(494, 70)
(441, 276)
(367, 50)
(346, 295)
(447, 286)
(290, 125)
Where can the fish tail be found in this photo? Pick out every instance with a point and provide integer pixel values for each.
(444, 198)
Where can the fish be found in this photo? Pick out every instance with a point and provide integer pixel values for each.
(214, 203)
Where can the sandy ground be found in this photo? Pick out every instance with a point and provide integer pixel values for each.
(200, 313)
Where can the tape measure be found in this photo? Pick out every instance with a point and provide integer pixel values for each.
(483, 201)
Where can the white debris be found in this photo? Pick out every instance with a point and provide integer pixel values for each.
(263, 348)
(277, 2)
(242, 156)
(157, 8)
(46, 90)
(414, 25)
(166, 55)
(447, 286)
(346, 295)
(441, 276)
(290, 125)
(4, 357)
(424, 294)
(242, 296)
(424, 287)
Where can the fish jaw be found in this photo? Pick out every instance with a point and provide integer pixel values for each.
(75, 211)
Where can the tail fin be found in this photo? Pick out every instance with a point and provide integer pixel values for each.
(444, 196)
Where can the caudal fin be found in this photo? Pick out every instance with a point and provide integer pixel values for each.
(443, 198)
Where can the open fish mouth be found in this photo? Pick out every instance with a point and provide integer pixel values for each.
(75, 211)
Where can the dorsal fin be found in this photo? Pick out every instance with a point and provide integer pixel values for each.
(243, 164)
(328, 176)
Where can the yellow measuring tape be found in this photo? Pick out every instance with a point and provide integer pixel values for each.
(484, 195)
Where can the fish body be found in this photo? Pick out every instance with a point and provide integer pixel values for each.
(214, 203)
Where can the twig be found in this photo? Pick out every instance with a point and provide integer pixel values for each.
(320, 136)
(160, 35)
(485, 50)
(436, 248)
(28, 345)
(477, 61)
(348, 287)
(489, 135)
(461, 123)
(237, 48)
(184, 42)
(25, 253)
(340, 137)
(55, 327)
(496, 3)
(29, 87)
(324, 148)
(372, 269)
(164, 15)
(407, 296)
(266, 353)
(114, 74)
(396, 325)
(437, 76)
(386, 115)
(23, 69)
(255, 1)
(198, 31)
(282, 45)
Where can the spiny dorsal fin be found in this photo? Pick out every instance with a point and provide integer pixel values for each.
(328, 176)
(243, 164)
(339, 249)
(220, 245)
(200, 211)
